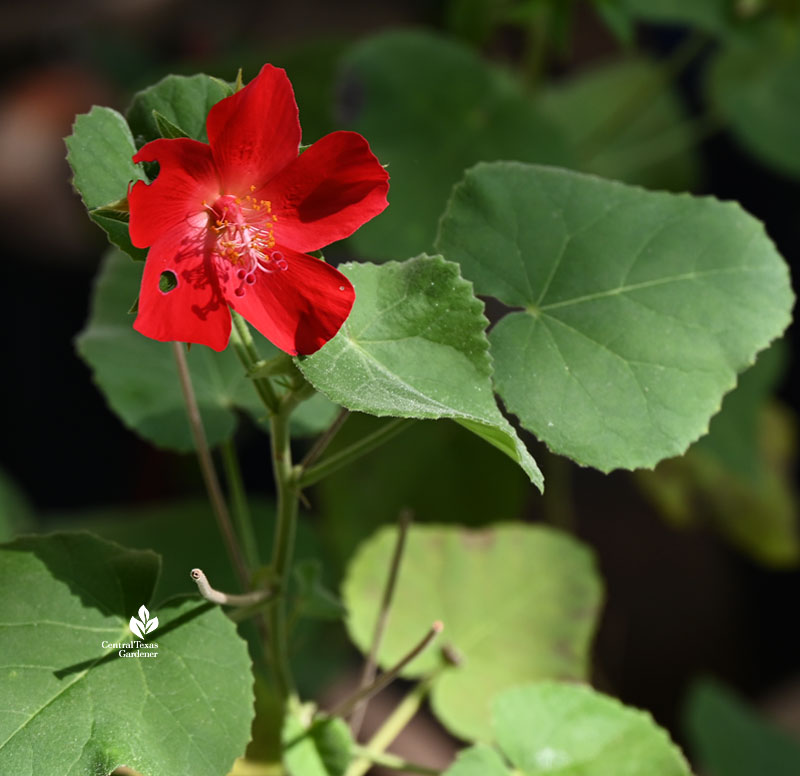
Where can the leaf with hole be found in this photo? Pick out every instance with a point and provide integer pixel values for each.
(415, 346)
(505, 632)
(72, 706)
(638, 308)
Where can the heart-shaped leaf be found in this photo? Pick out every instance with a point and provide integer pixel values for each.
(81, 695)
(639, 308)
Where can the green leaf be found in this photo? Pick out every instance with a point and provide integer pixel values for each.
(429, 108)
(184, 101)
(100, 151)
(414, 347)
(72, 707)
(729, 739)
(572, 730)
(479, 760)
(315, 747)
(166, 128)
(639, 308)
(649, 144)
(506, 632)
(755, 85)
(115, 224)
(139, 378)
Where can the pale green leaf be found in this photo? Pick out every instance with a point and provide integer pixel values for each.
(72, 707)
(638, 308)
(414, 346)
(430, 107)
(506, 631)
(315, 747)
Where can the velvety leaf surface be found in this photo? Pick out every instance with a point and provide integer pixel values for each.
(183, 100)
(649, 146)
(479, 760)
(639, 308)
(756, 86)
(139, 378)
(730, 739)
(71, 707)
(319, 747)
(571, 730)
(430, 107)
(506, 632)
(415, 346)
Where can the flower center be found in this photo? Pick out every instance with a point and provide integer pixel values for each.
(245, 240)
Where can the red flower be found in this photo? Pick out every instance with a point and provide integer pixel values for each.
(229, 223)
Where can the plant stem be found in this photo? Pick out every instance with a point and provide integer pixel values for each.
(348, 704)
(210, 478)
(393, 762)
(394, 724)
(283, 546)
(371, 664)
(319, 447)
(241, 509)
(242, 342)
(352, 452)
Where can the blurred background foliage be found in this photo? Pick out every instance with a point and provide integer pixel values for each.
(699, 556)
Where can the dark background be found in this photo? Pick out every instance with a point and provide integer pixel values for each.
(679, 603)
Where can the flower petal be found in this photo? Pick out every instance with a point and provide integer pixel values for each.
(194, 310)
(300, 308)
(255, 133)
(187, 177)
(327, 192)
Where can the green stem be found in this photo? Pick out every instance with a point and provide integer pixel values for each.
(209, 473)
(395, 723)
(241, 509)
(283, 547)
(245, 349)
(393, 762)
(352, 452)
